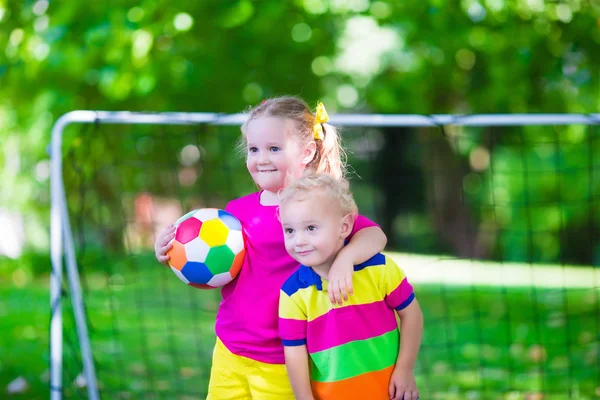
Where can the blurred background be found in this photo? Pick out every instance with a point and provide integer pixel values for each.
(508, 202)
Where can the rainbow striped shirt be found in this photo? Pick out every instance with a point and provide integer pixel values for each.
(353, 347)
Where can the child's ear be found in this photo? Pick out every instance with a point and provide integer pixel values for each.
(309, 152)
(347, 225)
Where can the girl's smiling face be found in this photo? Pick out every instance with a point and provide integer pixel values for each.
(272, 153)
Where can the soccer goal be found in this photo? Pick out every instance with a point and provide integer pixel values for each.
(495, 219)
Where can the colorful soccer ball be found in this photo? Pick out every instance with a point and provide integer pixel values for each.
(208, 249)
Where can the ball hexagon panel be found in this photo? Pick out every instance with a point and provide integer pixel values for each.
(206, 214)
(238, 261)
(229, 220)
(235, 241)
(178, 256)
(214, 232)
(186, 216)
(196, 250)
(220, 279)
(219, 259)
(201, 286)
(196, 273)
(188, 230)
(180, 275)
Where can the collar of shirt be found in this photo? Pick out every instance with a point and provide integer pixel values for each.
(309, 277)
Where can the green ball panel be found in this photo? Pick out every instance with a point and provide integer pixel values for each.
(219, 259)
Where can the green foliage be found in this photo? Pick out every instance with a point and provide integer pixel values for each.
(357, 56)
(222, 56)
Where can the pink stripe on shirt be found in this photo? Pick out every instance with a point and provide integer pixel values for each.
(366, 321)
(400, 294)
(292, 329)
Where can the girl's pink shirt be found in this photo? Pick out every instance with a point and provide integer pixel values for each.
(247, 320)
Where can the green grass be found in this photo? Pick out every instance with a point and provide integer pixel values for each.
(152, 338)
(494, 343)
(24, 327)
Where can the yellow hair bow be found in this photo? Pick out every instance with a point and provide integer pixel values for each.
(320, 118)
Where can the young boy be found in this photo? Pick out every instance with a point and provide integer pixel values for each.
(350, 351)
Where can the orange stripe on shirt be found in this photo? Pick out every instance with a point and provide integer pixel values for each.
(372, 385)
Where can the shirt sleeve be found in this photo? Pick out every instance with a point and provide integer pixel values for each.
(235, 208)
(231, 208)
(292, 321)
(361, 222)
(398, 291)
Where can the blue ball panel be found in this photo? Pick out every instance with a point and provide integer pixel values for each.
(229, 220)
(196, 272)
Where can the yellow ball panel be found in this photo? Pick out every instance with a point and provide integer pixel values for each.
(214, 232)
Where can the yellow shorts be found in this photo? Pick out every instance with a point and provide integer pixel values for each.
(234, 377)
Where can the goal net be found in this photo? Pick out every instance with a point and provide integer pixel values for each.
(495, 220)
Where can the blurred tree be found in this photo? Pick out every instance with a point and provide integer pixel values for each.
(356, 55)
(481, 57)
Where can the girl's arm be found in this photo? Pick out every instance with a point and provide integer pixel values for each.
(163, 244)
(296, 362)
(402, 383)
(363, 245)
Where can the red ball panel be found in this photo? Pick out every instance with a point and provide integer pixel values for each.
(188, 230)
(201, 286)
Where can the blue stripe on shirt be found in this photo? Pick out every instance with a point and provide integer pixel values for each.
(296, 342)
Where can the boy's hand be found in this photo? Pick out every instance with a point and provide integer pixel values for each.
(163, 244)
(340, 279)
(403, 385)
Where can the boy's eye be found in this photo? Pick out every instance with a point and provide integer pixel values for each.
(252, 149)
(274, 149)
(312, 228)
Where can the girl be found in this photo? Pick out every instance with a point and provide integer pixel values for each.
(282, 139)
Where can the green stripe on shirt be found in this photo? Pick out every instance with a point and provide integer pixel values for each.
(355, 358)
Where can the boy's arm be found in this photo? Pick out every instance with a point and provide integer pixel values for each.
(411, 332)
(292, 330)
(400, 296)
(402, 383)
(296, 362)
(364, 244)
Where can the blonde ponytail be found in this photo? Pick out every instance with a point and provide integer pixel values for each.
(330, 156)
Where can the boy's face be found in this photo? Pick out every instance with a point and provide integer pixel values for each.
(314, 228)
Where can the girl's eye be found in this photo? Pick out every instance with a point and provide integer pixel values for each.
(312, 228)
(289, 230)
(275, 149)
(252, 150)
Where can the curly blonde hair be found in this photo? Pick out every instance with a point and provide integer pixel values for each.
(329, 158)
(338, 189)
